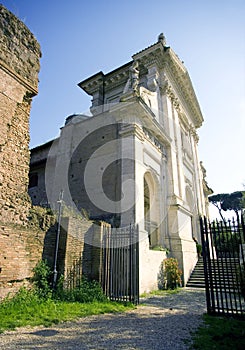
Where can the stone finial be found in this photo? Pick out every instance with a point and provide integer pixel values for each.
(162, 39)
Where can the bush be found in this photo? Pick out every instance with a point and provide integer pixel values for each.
(199, 249)
(170, 274)
(85, 292)
(42, 279)
(21, 300)
(241, 280)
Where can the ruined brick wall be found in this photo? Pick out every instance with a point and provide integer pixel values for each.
(19, 67)
(80, 240)
(20, 250)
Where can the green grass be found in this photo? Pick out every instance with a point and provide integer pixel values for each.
(220, 333)
(161, 292)
(27, 309)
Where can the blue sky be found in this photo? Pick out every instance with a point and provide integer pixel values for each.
(80, 38)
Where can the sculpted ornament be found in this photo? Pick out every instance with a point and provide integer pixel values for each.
(134, 75)
(194, 134)
(152, 79)
(133, 81)
(164, 85)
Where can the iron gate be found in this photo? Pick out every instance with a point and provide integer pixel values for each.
(223, 247)
(120, 257)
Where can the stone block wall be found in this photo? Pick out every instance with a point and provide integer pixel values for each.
(19, 67)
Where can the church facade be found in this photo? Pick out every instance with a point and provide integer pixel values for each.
(134, 159)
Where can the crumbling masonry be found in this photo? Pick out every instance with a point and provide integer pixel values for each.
(19, 67)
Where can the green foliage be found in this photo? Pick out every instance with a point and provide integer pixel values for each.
(161, 292)
(228, 201)
(169, 276)
(220, 333)
(26, 308)
(199, 249)
(85, 292)
(241, 280)
(226, 243)
(160, 248)
(42, 279)
(233, 201)
(217, 200)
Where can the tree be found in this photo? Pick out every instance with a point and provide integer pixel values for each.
(217, 200)
(229, 201)
(234, 201)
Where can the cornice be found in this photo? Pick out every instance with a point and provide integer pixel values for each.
(116, 79)
(110, 80)
(135, 106)
(132, 129)
(93, 83)
(175, 81)
(183, 86)
(152, 55)
(166, 59)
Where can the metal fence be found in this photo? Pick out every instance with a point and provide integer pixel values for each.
(120, 256)
(119, 275)
(223, 247)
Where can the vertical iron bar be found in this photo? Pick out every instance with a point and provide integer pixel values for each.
(213, 233)
(205, 244)
(234, 243)
(229, 271)
(57, 239)
(137, 263)
(238, 270)
(221, 271)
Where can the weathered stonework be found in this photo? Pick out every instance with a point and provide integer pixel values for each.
(19, 67)
(20, 247)
(20, 250)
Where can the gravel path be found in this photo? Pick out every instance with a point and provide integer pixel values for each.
(159, 322)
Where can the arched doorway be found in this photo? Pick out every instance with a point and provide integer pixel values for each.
(151, 210)
(191, 209)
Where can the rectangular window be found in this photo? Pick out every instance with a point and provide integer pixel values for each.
(33, 180)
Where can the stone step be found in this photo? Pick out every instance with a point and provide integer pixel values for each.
(223, 270)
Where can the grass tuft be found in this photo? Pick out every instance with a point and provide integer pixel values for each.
(220, 333)
(26, 308)
(161, 292)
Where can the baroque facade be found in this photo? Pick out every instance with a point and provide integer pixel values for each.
(133, 159)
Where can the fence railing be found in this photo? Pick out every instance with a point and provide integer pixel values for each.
(119, 275)
(120, 254)
(224, 266)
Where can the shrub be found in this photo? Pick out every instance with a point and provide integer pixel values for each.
(170, 274)
(85, 292)
(199, 249)
(241, 280)
(42, 279)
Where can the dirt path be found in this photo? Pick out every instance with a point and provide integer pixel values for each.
(164, 322)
